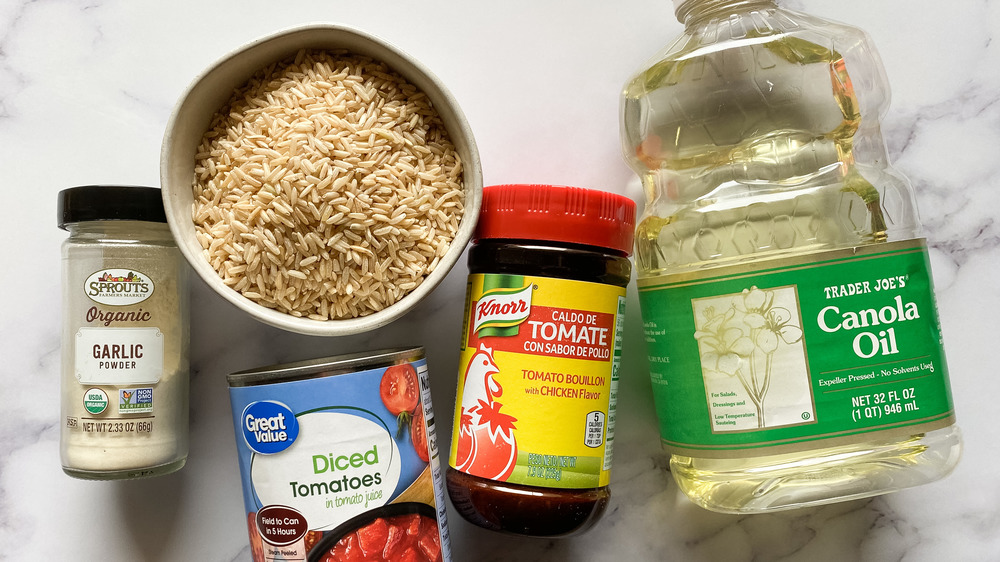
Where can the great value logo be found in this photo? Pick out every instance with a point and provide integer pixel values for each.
(118, 287)
(501, 308)
(269, 427)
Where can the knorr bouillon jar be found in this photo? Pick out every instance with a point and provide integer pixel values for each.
(540, 353)
(787, 301)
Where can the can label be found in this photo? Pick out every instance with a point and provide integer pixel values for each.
(342, 464)
(538, 379)
(789, 355)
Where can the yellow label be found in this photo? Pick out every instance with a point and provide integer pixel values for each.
(538, 378)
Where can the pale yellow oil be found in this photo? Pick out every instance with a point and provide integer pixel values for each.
(749, 137)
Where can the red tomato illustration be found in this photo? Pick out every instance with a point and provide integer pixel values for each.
(399, 389)
(418, 434)
(466, 443)
(495, 449)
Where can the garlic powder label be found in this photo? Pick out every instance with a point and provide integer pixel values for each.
(119, 355)
(118, 287)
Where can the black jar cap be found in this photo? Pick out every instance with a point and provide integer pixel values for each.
(110, 203)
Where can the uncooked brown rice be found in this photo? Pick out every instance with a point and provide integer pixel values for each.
(327, 187)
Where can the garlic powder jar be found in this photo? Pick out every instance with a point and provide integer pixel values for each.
(125, 336)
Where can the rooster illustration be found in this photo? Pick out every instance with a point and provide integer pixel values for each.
(486, 444)
(480, 386)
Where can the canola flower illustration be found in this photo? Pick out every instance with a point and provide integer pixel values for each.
(741, 341)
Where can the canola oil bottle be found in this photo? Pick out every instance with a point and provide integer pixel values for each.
(794, 345)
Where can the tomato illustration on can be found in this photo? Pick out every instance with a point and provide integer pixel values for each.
(399, 389)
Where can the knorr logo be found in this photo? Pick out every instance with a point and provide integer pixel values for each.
(118, 287)
(500, 308)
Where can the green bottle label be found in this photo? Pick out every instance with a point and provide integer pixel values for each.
(795, 354)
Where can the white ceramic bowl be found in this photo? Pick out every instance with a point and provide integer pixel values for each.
(213, 88)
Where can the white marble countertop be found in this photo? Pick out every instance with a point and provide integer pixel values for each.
(85, 91)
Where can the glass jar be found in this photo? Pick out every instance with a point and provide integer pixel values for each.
(125, 336)
(540, 356)
(794, 344)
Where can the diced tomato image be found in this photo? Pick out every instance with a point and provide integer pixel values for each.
(346, 550)
(372, 537)
(414, 528)
(395, 542)
(430, 546)
(399, 389)
(401, 538)
(410, 555)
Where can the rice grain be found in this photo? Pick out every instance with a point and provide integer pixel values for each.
(327, 187)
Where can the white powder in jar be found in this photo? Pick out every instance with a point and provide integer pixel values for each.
(125, 337)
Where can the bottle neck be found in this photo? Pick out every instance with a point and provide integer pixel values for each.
(692, 12)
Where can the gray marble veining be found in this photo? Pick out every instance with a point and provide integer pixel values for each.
(85, 91)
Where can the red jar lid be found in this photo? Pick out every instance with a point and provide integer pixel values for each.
(559, 214)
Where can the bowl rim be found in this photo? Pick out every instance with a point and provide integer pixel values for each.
(412, 70)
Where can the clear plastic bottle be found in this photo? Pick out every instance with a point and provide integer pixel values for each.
(779, 246)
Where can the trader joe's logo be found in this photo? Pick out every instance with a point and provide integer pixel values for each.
(118, 287)
(500, 308)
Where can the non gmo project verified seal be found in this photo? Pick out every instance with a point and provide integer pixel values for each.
(135, 401)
